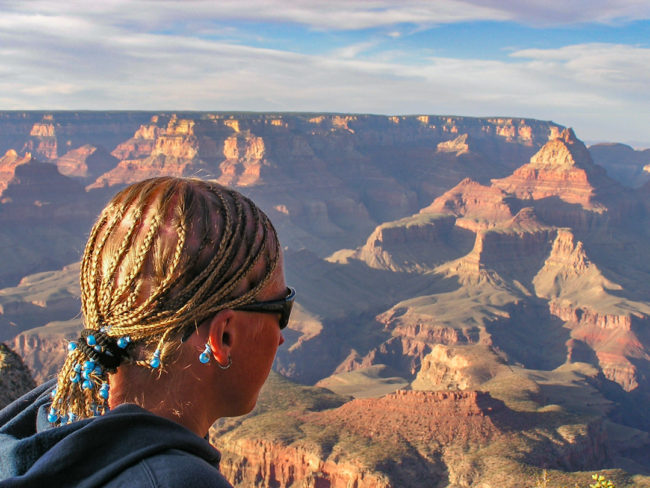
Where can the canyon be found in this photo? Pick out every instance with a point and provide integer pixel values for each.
(473, 293)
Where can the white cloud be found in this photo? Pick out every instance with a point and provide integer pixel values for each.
(602, 67)
(353, 50)
(320, 14)
(559, 12)
(334, 14)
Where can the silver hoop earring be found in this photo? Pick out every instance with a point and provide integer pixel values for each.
(227, 365)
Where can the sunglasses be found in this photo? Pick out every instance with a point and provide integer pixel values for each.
(281, 307)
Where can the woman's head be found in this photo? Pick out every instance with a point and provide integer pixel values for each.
(164, 255)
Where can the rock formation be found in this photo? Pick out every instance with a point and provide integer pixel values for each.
(86, 162)
(508, 254)
(39, 299)
(8, 164)
(400, 439)
(15, 377)
(623, 163)
(26, 180)
(43, 217)
(563, 169)
(43, 140)
(480, 206)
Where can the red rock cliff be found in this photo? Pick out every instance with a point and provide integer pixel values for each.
(561, 168)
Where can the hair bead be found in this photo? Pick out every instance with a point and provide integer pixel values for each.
(155, 361)
(103, 391)
(72, 346)
(52, 416)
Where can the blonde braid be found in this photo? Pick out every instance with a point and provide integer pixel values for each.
(198, 286)
(139, 261)
(109, 284)
(189, 247)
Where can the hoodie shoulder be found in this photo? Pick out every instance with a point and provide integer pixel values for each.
(170, 469)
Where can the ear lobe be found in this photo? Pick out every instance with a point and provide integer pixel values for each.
(220, 335)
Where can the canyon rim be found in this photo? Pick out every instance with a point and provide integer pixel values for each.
(474, 293)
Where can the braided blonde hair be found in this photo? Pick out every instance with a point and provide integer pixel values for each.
(164, 255)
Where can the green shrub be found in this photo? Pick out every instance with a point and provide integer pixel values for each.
(600, 481)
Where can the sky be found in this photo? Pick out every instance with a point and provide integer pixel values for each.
(580, 63)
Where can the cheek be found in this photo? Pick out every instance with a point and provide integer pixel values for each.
(264, 343)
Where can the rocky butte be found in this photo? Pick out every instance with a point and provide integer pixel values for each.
(473, 292)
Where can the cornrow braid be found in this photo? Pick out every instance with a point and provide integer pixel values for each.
(165, 254)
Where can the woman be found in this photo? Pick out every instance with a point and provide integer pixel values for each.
(183, 298)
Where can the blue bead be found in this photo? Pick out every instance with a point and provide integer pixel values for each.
(98, 370)
(122, 342)
(77, 368)
(89, 365)
(103, 394)
(155, 362)
(98, 348)
(91, 340)
(72, 346)
(53, 393)
(157, 353)
(74, 378)
(86, 375)
(87, 385)
(204, 358)
(71, 416)
(52, 417)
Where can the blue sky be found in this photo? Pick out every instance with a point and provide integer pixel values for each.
(585, 65)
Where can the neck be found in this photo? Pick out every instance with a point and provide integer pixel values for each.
(150, 390)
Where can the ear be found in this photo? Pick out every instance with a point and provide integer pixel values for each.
(221, 335)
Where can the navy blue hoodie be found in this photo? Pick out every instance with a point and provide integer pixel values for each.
(128, 446)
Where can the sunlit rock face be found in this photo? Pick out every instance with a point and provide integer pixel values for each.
(562, 168)
(86, 163)
(42, 141)
(8, 164)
